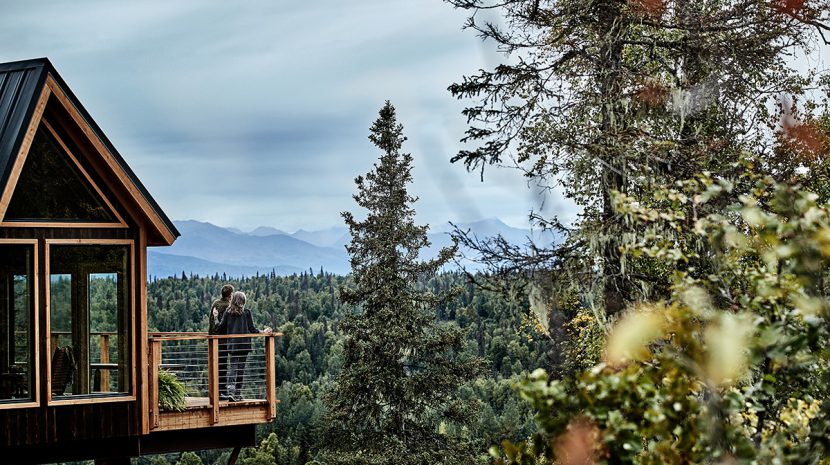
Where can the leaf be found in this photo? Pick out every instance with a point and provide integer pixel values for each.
(630, 337)
(697, 299)
(727, 346)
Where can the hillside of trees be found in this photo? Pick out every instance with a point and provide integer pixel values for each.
(306, 309)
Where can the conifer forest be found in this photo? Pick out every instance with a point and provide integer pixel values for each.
(305, 308)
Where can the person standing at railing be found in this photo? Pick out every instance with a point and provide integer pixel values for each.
(237, 320)
(217, 312)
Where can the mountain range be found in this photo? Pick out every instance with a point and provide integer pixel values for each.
(207, 249)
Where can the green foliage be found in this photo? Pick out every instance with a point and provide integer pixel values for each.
(158, 460)
(689, 142)
(305, 308)
(172, 392)
(263, 455)
(584, 342)
(732, 366)
(189, 458)
(396, 396)
(500, 415)
(608, 96)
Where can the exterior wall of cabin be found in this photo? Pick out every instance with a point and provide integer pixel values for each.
(82, 417)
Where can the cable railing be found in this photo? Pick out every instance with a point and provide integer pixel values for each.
(218, 371)
(188, 360)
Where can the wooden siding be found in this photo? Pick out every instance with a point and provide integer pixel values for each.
(67, 423)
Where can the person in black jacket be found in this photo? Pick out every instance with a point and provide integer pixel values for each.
(221, 305)
(237, 320)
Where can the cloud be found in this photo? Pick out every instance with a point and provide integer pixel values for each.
(256, 113)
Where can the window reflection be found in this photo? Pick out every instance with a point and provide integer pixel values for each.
(17, 330)
(90, 320)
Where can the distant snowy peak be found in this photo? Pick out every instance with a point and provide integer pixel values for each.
(216, 247)
(264, 231)
(337, 236)
(205, 248)
(492, 227)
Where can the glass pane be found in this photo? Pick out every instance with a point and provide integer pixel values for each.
(103, 336)
(22, 320)
(52, 188)
(17, 330)
(90, 319)
(60, 311)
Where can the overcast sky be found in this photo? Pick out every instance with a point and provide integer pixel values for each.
(257, 112)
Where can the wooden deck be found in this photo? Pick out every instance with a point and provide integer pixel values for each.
(209, 411)
(199, 414)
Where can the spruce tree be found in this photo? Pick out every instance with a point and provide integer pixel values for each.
(395, 399)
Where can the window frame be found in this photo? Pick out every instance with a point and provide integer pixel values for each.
(14, 404)
(131, 267)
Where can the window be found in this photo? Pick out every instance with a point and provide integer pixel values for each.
(51, 187)
(17, 294)
(90, 320)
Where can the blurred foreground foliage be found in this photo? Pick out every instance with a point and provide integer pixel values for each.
(733, 366)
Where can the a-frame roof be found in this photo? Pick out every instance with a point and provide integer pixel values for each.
(21, 86)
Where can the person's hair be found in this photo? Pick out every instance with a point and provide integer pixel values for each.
(237, 303)
(227, 290)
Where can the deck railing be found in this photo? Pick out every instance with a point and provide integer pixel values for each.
(100, 366)
(195, 360)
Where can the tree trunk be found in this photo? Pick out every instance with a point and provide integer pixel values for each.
(615, 287)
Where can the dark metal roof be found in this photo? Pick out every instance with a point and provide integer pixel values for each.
(20, 85)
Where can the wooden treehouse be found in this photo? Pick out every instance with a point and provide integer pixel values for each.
(79, 370)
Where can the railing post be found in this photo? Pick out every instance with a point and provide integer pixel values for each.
(270, 376)
(213, 378)
(104, 344)
(155, 361)
(53, 344)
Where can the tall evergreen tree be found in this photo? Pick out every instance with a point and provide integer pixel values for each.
(395, 401)
(619, 96)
